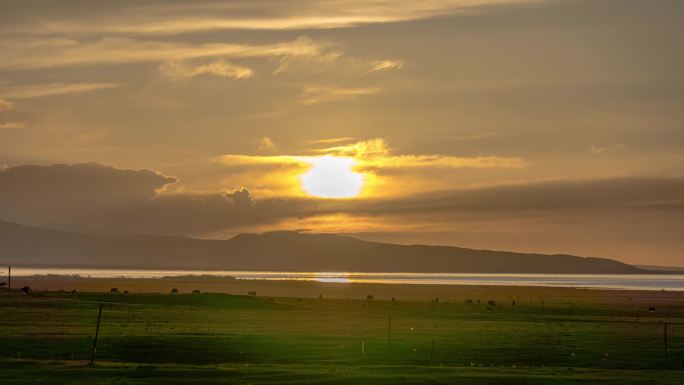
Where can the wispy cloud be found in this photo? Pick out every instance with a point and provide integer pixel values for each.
(266, 144)
(333, 140)
(375, 154)
(175, 17)
(12, 125)
(315, 94)
(179, 70)
(6, 106)
(373, 158)
(597, 150)
(31, 91)
(35, 53)
(384, 65)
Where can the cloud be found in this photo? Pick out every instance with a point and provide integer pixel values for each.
(12, 125)
(36, 53)
(375, 154)
(333, 140)
(30, 91)
(241, 197)
(266, 144)
(316, 94)
(176, 17)
(178, 70)
(384, 65)
(6, 106)
(596, 150)
(385, 173)
(92, 197)
(55, 193)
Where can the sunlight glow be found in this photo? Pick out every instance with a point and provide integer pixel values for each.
(332, 177)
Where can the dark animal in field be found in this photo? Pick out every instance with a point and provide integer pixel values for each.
(651, 309)
(26, 289)
(369, 297)
(196, 291)
(468, 302)
(491, 303)
(73, 291)
(174, 291)
(394, 299)
(114, 290)
(251, 293)
(125, 291)
(3, 284)
(436, 300)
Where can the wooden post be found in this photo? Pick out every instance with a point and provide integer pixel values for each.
(389, 328)
(97, 332)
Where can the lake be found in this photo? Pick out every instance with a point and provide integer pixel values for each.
(598, 281)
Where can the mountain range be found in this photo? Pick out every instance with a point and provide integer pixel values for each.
(278, 251)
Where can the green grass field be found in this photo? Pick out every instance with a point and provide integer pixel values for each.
(219, 338)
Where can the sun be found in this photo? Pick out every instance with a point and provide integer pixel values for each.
(332, 177)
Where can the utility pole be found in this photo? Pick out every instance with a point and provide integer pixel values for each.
(97, 332)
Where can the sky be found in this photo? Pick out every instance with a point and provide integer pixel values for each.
(550, 126)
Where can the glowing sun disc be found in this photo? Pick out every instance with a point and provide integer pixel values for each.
(332, 177)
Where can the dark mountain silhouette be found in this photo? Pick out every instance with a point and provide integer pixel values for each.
(277, 251)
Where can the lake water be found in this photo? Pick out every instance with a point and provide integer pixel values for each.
(601, 281)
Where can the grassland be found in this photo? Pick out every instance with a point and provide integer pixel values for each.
(579, 336)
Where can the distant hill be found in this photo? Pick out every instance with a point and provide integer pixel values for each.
(668, 269)
(278, 251)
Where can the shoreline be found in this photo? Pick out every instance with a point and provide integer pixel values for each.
(345, 290)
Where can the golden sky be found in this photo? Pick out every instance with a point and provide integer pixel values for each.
(523, 125)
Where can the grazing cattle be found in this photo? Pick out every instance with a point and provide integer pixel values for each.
(196, 291)
(114, 290)
(369, 297)
(651, 309)
(394, 299)
(174, 291)
(252, 293)
(491, 303)
(26, 289)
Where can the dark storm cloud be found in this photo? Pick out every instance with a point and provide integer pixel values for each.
(61, 192)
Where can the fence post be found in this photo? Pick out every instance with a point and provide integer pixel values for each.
(97, 332)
